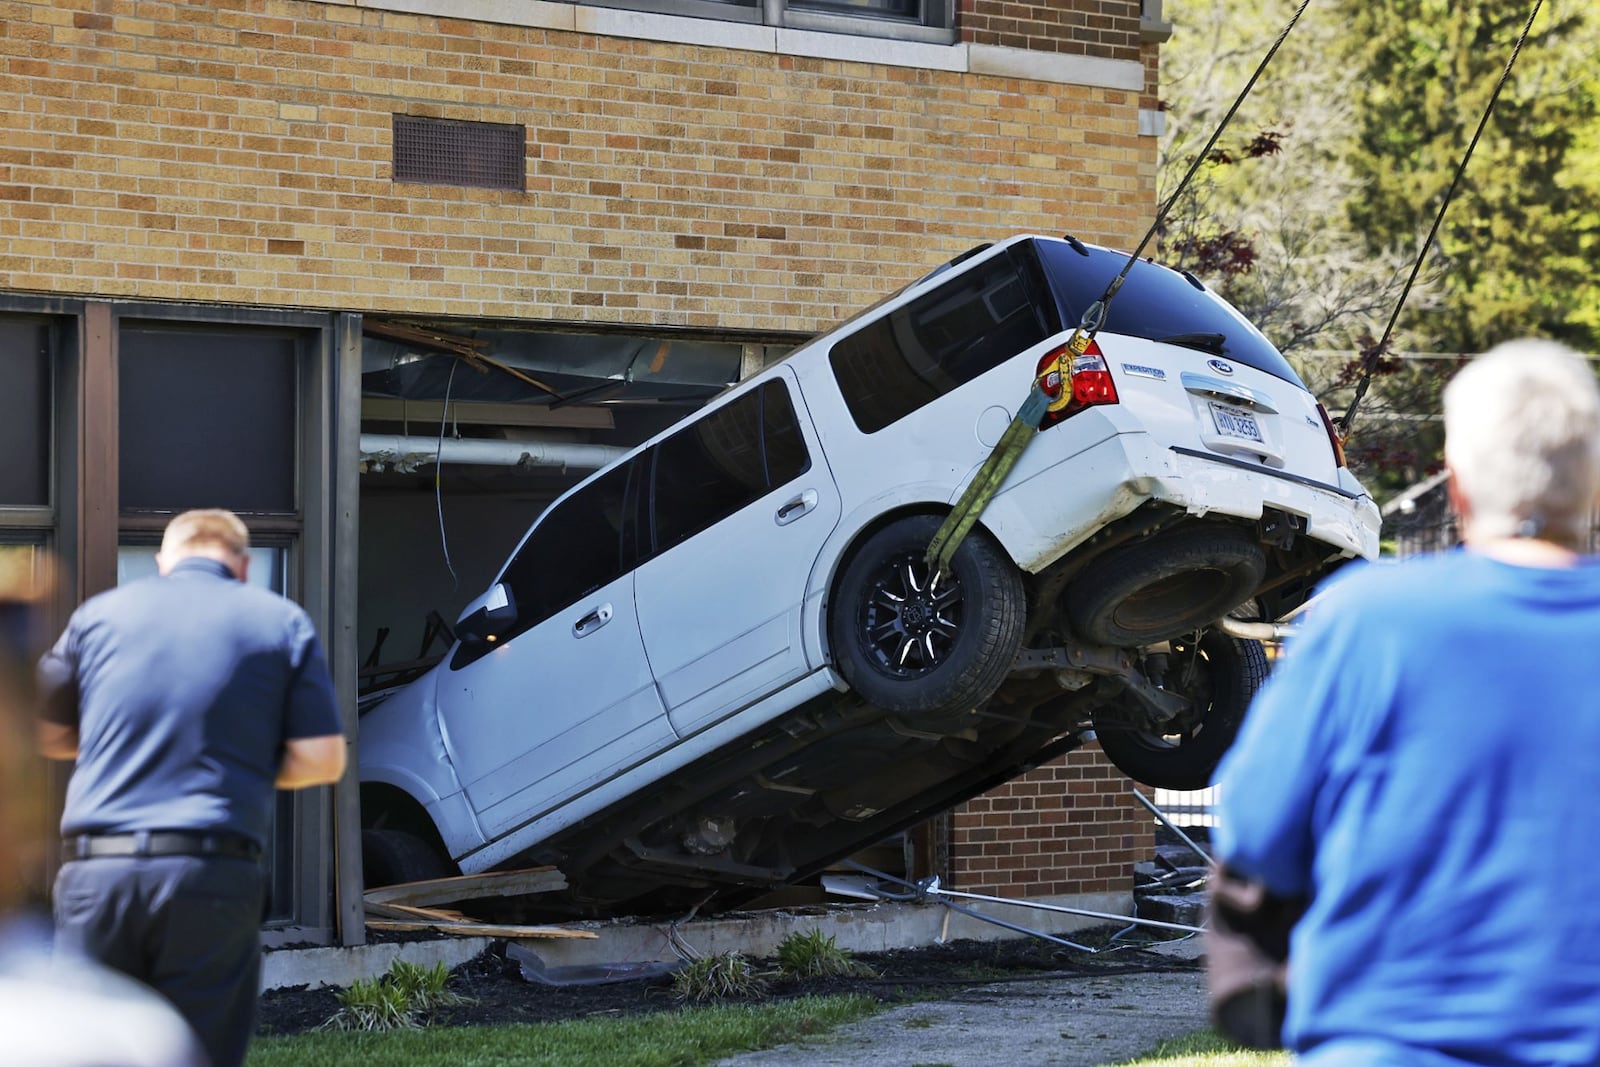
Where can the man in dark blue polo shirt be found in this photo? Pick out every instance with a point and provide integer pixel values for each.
(186, 699)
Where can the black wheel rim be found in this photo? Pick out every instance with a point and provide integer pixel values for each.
(911, 618)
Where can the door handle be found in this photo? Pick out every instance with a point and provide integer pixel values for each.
(797, 507)
(592, 621)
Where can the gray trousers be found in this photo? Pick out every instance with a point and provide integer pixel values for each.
(187, 926)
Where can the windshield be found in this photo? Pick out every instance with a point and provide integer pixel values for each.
(1158, 304)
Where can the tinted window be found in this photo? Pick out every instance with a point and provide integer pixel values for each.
(227, 397)
(24, 412)
(730, 458)
(943, 339)
(1156, 302)
(577, 547)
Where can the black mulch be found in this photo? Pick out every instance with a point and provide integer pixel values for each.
(499, 993)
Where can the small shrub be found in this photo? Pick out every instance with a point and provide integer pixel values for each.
(371, 1004)
(722, 977)
(814, 955)
(406, 997)
(425, 987)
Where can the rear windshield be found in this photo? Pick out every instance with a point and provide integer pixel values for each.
(971, 323)
(1157, 303)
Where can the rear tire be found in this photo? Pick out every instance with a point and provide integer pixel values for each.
(1166, 586)
(1220, 677)
(927, 650)
(391, 857)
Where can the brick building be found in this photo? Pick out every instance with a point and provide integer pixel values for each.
(241, 239)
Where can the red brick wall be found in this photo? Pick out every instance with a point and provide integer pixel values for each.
(1107, 28)
(1069, 827)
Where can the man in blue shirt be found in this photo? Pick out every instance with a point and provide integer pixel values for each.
(186, 699)
(1421, 766)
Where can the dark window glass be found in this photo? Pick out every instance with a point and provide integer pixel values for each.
(909, 9)
(24, 412)
(576, 548)
(207, 419)
(1157, 302)
(943, 339)
(724, 461)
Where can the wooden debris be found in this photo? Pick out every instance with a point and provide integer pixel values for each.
(402, 911)
(473, 929)
(469, 887)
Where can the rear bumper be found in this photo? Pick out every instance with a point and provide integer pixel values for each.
(1045, 515)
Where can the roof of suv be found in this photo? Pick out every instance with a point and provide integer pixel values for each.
(1155, 302)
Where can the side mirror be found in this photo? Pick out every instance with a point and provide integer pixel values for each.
(489, 616)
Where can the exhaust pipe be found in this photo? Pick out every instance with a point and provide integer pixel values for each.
(1254, 631)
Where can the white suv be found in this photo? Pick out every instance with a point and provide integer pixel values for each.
(724, 661)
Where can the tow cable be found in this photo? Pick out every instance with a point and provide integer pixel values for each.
(1044, 398)
(1370, 356)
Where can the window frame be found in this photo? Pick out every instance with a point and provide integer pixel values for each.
(84, 524)
(934, 24)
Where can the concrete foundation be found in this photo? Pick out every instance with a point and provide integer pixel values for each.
(861, 928)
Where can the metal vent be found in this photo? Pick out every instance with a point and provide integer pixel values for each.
(484, 155)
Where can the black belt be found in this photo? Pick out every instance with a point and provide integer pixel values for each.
(161, 843)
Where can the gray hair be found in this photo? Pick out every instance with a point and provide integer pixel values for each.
(1522, 437)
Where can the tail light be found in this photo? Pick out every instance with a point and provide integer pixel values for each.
(1088, 376)
(1333, 436)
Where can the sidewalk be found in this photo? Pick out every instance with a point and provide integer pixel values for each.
(1061, 1022)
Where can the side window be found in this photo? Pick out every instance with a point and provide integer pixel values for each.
(724, 461)
(577, 548)
(943, 339)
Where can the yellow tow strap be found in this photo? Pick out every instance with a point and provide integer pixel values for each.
(986, 483)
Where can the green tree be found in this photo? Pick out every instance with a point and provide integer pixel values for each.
(1369, 106)
(1511, 254)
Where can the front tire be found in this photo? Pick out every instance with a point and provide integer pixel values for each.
(393, 857)
(1220, 676)
(922, 645)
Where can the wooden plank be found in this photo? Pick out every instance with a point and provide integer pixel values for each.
(480, 929)
(469, 887)
(401, 911)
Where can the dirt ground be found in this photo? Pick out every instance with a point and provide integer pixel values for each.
(499, 993)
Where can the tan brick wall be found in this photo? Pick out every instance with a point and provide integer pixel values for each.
(239, 152)
(1069, 827)
(1107, 28)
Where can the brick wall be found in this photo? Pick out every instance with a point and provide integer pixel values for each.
(1107, 28)
(1069, 827)
(239, 151)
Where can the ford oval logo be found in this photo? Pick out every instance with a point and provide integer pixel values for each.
(1220, 366)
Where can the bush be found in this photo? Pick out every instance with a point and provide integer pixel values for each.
(813, 955)
(721, 977)
(407, 997)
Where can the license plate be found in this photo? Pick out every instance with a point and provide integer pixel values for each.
(1233, 422)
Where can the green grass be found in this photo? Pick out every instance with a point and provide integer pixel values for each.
(1206, 1049)
(684, 1038)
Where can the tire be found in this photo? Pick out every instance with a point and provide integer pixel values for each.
(1221, 677)
(1165, 587)
(926, 652)
(391, 857)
